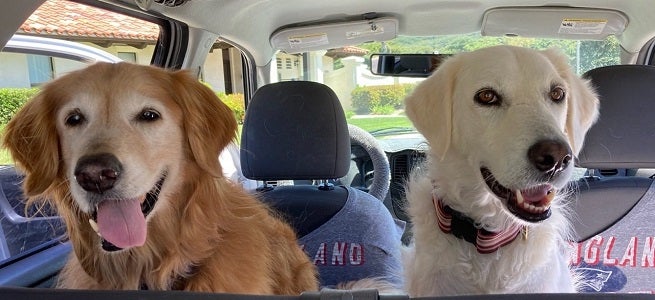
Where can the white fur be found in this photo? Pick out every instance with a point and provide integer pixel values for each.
(465, 136)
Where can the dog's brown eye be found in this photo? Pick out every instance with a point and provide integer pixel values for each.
(557, 94)
(149, 115)
(74, 119)
(487, 97)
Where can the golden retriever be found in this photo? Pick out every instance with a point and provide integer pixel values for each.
(129, 156)
(504, 124)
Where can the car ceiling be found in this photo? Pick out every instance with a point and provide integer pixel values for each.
(250, 23)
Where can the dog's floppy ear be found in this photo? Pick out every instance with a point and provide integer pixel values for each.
(209, 124)
(31, 138)
(582, 101)
(430, 105)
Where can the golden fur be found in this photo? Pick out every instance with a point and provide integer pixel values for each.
(204, 233)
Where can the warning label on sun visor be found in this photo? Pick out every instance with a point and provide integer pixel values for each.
(309, 40)
(582, 26)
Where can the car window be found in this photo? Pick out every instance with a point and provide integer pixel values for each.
(58, 38)
(375, 103)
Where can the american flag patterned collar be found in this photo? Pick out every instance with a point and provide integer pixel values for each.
(455, 223)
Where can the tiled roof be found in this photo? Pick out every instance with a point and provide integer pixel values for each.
(346, 51)
(70, 20)
(354, 50)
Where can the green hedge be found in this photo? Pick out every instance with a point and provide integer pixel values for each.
(236, 103)
(12, 99)
(380, 99)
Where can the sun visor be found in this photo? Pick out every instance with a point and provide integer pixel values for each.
(553, 22)
(334, 35)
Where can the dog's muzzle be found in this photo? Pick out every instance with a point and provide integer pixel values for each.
(120, 222)
(549, 158)
(531, 204)
(97, 173)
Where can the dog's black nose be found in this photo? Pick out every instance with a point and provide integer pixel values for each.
(98, 172)
(550, 156)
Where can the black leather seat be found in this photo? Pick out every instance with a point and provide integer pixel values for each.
(297, 131)
(620, 143)
(614, 221)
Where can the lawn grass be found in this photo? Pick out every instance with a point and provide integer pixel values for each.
(375, 123)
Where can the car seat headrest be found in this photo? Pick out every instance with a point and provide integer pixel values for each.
(624, 135)
(295, 130)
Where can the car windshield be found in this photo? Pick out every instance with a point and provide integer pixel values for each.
(375, 103)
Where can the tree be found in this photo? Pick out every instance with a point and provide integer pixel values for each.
(584, 55)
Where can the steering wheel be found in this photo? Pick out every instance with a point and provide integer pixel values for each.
(382, 171)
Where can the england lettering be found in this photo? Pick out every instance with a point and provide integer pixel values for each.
(337, 254)
(632, 252)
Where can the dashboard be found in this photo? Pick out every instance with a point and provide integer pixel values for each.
(404, 152)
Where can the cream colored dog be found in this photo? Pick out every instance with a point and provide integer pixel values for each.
(504, 124)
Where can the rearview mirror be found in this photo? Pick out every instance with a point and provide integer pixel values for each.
(409, 65)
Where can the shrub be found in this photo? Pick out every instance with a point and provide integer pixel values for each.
(380, 99)
(384, 110)
(12, 99)
(236, 103)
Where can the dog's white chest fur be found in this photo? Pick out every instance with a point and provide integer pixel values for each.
(442, 264)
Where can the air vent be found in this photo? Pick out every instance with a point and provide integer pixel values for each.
(403, 163)
(400, 168)
(609, 172)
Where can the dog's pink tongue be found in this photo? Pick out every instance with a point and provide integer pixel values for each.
(542, 193)
(122, 223)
